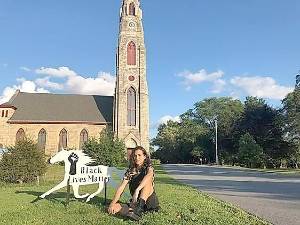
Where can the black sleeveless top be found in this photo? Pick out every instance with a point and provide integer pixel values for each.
(135, 177)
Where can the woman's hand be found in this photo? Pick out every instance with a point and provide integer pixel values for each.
(112, 209)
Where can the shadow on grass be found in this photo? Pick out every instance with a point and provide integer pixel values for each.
(60, 197)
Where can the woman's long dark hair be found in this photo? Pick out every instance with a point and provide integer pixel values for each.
(132, 164)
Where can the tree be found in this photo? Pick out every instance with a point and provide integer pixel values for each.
(106, 150)
(23, 162)
(197, 154)
(192, 139)
(166, 141)
(227, 111)
(265, 124)
(291, 112)
(250, 153)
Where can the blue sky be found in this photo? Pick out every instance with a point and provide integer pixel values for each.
(195, 49)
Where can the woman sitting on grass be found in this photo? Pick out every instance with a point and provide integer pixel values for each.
(140, 176)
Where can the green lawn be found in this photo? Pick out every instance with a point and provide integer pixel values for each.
(180, 204)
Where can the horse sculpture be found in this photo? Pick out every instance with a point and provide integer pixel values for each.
(78, 172)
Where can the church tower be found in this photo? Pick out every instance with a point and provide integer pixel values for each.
(131, 111)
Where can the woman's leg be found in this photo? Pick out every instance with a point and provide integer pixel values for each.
(140, 206)
(146, 192)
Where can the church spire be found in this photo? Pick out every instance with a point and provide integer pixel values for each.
(131, 8)
(131, 121)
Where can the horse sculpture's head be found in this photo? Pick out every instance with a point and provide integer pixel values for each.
(59, 157)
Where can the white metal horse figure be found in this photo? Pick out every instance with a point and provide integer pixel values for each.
(79, 173)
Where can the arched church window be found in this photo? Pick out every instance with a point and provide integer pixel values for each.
(131, 54)
(20, 135)
(6, 113)
(131, 107)
(131, 9)
(83, 138)
(63, 140)
(2, 113)
(42, 139)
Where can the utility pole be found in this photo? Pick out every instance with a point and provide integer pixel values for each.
(216, 126)
(298, 80)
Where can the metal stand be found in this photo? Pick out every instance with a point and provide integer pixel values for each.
(68, 192)
(105, 191)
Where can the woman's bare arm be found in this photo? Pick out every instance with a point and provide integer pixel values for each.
(119, 191)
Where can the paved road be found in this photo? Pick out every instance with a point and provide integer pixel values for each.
(273, 197)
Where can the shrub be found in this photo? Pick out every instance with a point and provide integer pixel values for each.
(106, 150)
(22, 163)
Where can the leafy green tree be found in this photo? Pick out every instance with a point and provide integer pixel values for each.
(106, 150)
(250, 153)
(192, 139)
(227, 111)
(197, 154)
(291, 112)
(265, 124)
(166, 141)
(23, 162)
(177, 140)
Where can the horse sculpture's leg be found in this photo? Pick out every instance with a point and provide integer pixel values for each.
(100, 188)
(57, 187)
(76, 192)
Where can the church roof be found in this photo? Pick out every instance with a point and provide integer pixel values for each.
(61, 108)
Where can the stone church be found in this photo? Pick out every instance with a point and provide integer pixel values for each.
(68, 120)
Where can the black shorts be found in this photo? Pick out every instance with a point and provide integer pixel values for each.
(152, 204)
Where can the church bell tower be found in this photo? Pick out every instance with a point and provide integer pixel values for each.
(131, 111)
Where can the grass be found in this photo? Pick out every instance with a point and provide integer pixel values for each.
(283, 171)
(180, 204)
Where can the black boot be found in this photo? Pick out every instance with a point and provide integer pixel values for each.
(137, 211)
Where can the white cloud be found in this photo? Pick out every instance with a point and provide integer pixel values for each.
(72, 83)
(103, 84)
(165, 119)
(5, 65)
(262, 87)
(190, 79)
(45, 82)
(24, 86)
(60, 72)
(235, 95)
(24, 68)
(218, 86)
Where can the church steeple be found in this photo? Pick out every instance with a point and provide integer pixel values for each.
(131, 121)
(131, 8)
